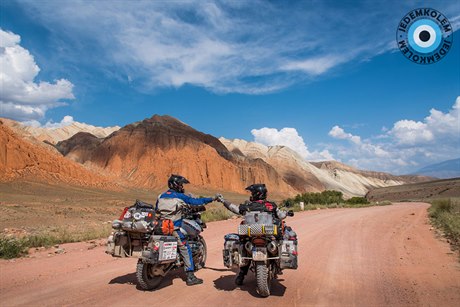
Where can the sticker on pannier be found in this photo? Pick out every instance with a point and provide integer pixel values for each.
(168, 251)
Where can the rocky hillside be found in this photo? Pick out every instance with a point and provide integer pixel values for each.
(317, 176)
(145, 153)
(21, 159)
(54, 135)
(422, 191)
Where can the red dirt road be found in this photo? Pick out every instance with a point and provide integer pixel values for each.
(365, 257)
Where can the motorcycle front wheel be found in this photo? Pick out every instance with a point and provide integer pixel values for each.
(147, 276)
(200, 261)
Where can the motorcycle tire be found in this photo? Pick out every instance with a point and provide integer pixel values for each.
(263, 277)
(200, 262)
(145, 276)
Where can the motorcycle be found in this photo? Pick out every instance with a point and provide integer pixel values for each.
(265, 244)
(141, 234)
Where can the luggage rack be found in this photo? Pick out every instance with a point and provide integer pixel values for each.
(257, 229)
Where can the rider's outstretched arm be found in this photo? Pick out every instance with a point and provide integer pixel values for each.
(194, 201)
(233, 208)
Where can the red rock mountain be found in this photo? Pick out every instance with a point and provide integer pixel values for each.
(24, 159)
(145, 153)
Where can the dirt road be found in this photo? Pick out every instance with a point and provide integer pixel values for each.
(365, 257)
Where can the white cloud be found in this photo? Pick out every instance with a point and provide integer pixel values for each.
(288, 137)
(314, 66)
(21, 98)
(339, 133)
(407, 146)
(437, 126)
(66, 121)
(223, 46)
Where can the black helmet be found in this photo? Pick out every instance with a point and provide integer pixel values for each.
(176, 183)
(258, 191)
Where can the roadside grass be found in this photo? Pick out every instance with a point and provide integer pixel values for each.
(445, 215)
(14, 247)
(216, 213)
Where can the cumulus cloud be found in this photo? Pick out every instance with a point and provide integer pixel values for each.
(66, 121)
(407, 146)
(288, 137)
(437, 126)
(21, 98)
(339, 133)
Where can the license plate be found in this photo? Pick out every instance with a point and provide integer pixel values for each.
(259, 254)
(168, 251)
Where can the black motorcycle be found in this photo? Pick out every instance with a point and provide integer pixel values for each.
(139, 233)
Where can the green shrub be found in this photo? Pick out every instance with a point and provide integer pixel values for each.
(445, 214)
(357, 201)
(327, 197)
(12, 247)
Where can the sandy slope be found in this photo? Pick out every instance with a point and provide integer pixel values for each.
(365, 257)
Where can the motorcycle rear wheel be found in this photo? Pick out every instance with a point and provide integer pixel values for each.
(264, 279)
(146, 278)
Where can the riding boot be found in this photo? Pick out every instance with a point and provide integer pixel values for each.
(240, 278)
(192, 279)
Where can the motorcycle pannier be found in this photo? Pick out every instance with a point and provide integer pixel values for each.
(163, 250)
(230, 251)
(288, 254)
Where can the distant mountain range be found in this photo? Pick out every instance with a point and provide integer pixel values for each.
(145, 153)
(54, 135)
(446, 169)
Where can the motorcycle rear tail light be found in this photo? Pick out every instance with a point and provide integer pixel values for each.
(122, 216)
(259, 242)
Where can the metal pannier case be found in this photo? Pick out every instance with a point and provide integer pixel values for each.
(163, 249)
(230, 252)
(288, 254)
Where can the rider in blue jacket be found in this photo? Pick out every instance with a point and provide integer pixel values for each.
(169, 205)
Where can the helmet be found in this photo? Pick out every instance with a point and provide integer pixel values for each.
(176, 183)
(258, 191)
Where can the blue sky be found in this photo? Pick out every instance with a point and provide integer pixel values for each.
(322, 77)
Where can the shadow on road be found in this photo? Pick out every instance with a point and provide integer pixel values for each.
(125, 279)
(130, 279)
(227, 283)
(220, 270)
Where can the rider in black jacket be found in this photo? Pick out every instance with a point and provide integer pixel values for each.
(257, 202)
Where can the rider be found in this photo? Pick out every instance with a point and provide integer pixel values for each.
(257, 202)
(169, 205)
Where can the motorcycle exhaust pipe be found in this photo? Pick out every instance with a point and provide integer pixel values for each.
(248, 246)
(272, 247)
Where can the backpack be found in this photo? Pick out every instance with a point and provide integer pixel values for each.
(261, 206)
(162, 226)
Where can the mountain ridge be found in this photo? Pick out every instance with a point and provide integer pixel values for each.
(444, 170)
(143, 154)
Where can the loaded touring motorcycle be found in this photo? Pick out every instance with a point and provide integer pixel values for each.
(139, 233)
(265, 244)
